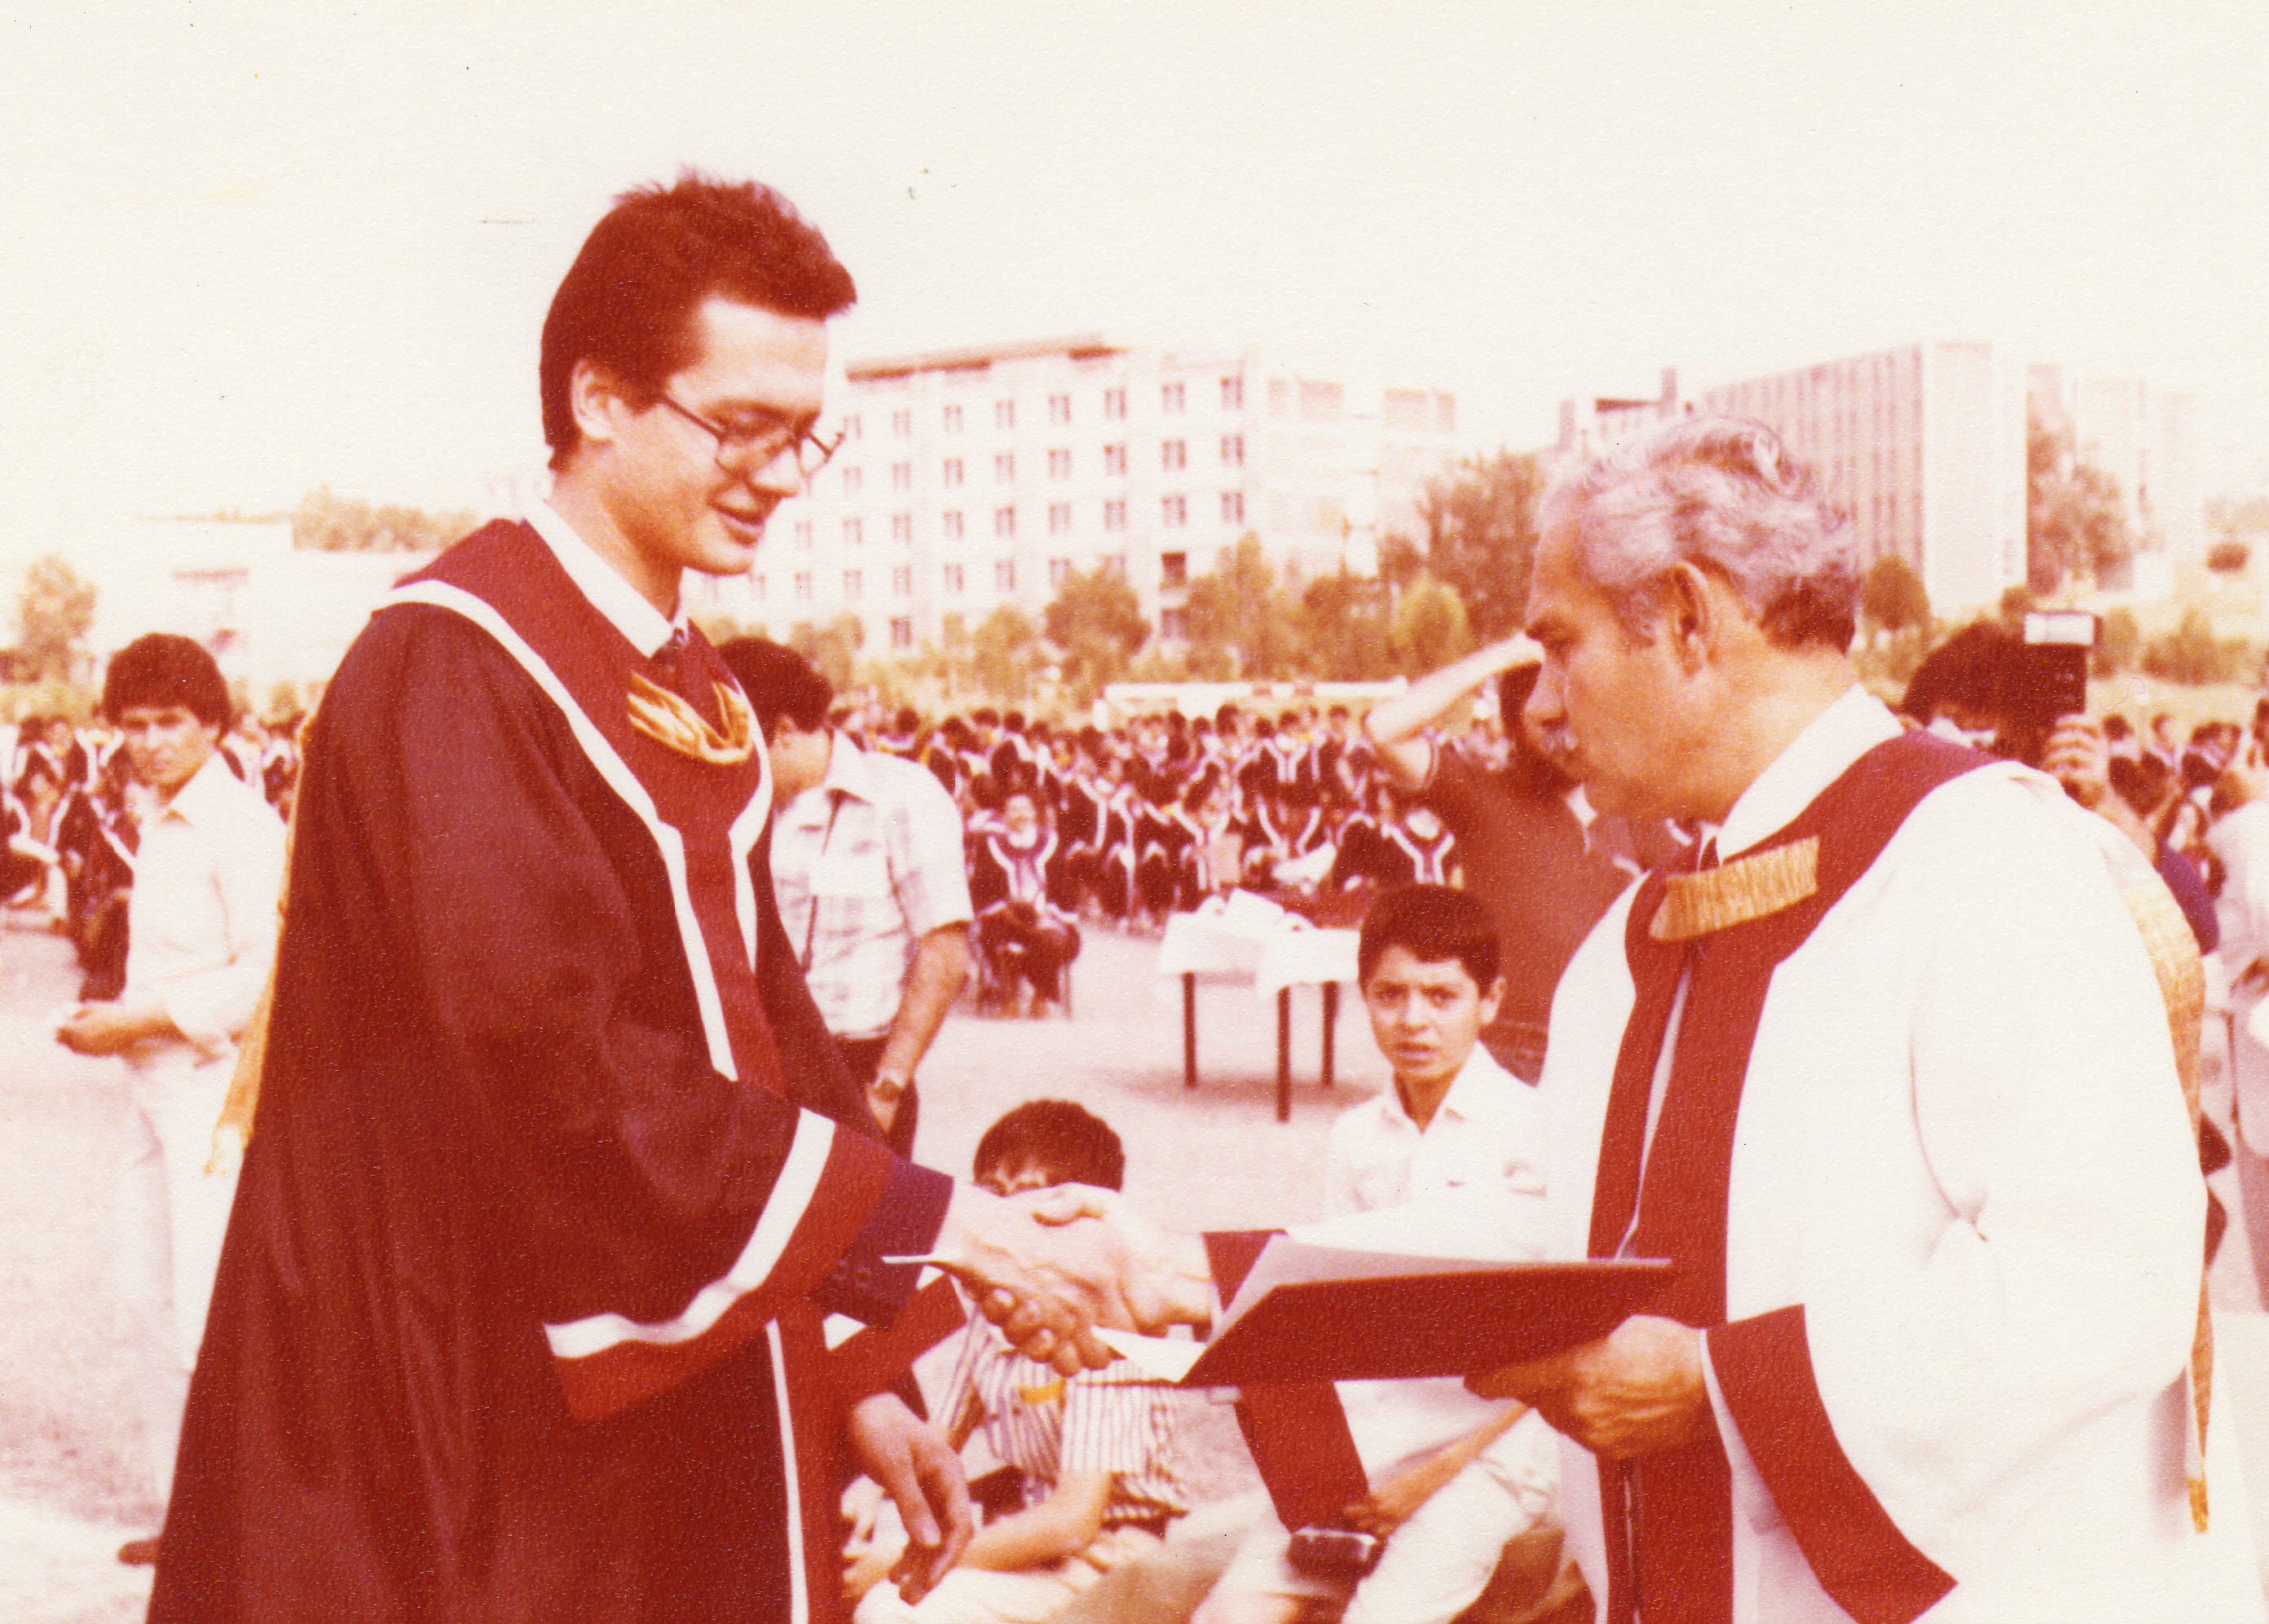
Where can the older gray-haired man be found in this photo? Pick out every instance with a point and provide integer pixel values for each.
(1890, 1077)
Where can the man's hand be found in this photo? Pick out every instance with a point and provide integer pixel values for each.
(1636, 1390)
(1050, 1266)
(110, 1029)
(2079, 758)
(916, 1469)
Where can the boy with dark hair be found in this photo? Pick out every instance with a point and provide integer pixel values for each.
(201, 933)
(1453, 1476)
(1094, 1450)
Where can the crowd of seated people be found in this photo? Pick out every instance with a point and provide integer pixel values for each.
(1153, 817)
(72, 813)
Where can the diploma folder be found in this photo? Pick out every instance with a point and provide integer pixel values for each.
(1322, 1313)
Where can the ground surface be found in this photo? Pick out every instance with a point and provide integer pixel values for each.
(1214, 1157)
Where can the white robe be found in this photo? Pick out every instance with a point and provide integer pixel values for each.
(1962, 1149)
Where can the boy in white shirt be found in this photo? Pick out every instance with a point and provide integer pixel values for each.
(1453, 1476)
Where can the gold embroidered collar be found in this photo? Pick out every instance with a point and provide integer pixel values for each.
(670, 720)
(1749, 888)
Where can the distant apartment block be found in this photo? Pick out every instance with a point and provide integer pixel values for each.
(2146, 441)
(1922, 446)
(971, 479)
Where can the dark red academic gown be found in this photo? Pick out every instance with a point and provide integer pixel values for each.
(555, 1166)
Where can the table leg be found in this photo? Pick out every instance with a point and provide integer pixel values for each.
(1331, 1025)
(1189, 1030)
(1283, 1054)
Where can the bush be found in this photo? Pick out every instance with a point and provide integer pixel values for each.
(2227, 557)
(2192, 654)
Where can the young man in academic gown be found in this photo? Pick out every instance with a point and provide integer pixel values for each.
(555, 1170)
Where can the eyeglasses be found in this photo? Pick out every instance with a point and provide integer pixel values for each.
(744, 447)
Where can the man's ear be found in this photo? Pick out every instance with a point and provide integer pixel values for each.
(1492, 996)
(596, 398)
(1692, 618)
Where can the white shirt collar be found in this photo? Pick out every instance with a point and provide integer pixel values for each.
(846, 767)
(638, 620)
(1470, 1097)
(1839, 735)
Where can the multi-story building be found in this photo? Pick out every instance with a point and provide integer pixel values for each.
(2145, 440)
(971, 479)
(1922, 446)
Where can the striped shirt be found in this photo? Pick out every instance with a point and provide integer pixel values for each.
(1045, 1425)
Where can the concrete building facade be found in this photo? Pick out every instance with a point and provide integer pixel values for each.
(1922, 446)
(971, 479)
(2146, 439)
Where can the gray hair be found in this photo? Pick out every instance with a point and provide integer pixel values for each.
(1724, 495)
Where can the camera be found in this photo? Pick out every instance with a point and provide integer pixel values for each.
(2046, 675)
(1334, 1553)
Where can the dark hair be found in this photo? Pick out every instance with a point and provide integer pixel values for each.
(779, 682)
(1531, 770)
(1432, 923)
(161, 668)
(1070, 1143)
(627, 302)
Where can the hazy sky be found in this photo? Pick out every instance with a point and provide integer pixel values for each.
(251, 248)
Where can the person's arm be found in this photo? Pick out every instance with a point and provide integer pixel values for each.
(1064, 1524)
(1390, 1504)
(1396, 726)
(933, 980)
(2077, 757)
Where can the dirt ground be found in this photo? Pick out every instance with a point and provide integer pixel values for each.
(1214, 1157)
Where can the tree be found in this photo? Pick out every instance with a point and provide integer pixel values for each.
(1240, 620)
(833, 649)
(1096, 620)
(1001, 649)
(1430, 629)
(1481, 536)
(2119, 643)
(2076, 521)
(1343, 628)
(327, 523)
(54, 613)
(1893, 597)
(2192, 654)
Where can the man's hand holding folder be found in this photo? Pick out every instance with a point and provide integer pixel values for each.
(1635, 1391)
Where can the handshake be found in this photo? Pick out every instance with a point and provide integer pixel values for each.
(1050, 1266)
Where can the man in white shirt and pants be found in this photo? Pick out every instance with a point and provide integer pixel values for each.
(202, 922)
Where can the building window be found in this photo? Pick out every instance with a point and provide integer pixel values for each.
(952, 576)
(1174, 623)
(1004, 414)
(1004, 575)
(902, 476)
(1114, 514)
(758, 582)
(902, 424)
(851, 583)
(1320, 402)
(1170, 397)
(902, 527)
(1115, 564)
(953, 419)
(1004, 522)
(1173, 568)
(1114, 403)
(1173, 454)
(852, 478)
(1059, 572)
(902, 580)
(1232, 393)
(1174, 510)
(1280, 397)
(851, 428)
(1059, 408)
(1059, 519)
(953, 527)
(1232, 507)
(803, 532)
(1114, 458)
(1004, 469)
(854, 531)
(952, 472)
(1232, 450)
(1060, 464)
(803, 583)
(902, 631)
